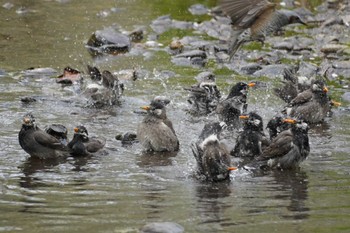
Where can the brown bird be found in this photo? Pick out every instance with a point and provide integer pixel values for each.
(156, 132)
(255, 19)
(311, 105)
(288, 149)
(213, 157)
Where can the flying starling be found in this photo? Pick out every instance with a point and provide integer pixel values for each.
(255, 19)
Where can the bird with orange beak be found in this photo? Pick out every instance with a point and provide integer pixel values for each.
(252, 140)
(311, 105)
(156, 132)
(287, 150)
(234, 105)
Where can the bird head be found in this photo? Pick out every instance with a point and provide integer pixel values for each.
(81, 130)
(319, 86)
(156, 108)
(253, 120)
(240, 88)
(297, 124)
(28, 120)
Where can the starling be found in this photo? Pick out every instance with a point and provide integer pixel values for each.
(37, 143)
(82, 144)
(312, 105)
(213, 157)
(156, 132)
(234, 105)
(255, 19)
(287, 150)
(252, 140)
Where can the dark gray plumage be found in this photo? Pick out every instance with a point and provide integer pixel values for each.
(311, 105)
(82, 144)
(234, 105)
(212, 156)
(156, 132)
(255, 19)
(288, 149)
(38, 143)
(252, 140)
(203, 96)
(276, 125)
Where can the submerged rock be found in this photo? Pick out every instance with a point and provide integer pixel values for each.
(162, 227)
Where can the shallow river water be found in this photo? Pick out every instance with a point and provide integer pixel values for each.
(123, 189)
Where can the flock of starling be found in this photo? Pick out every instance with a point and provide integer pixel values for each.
(285, 148)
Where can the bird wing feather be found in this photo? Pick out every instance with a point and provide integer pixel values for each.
(302, 97)
(244, 12)
(47, 140)
(280, 146)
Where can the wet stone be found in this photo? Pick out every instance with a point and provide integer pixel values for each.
(346, 96)
(307, 70)
(272, 71)
(284, 45)
(162, 227)
(192, 54)
(108, 41)
(198, 9)
(161, 24)
(341, 64)
(332, 48)
(250, 69)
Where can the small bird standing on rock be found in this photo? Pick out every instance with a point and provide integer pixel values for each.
(156, 132)
(255, 19)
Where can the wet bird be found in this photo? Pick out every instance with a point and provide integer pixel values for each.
(255, 19)
(276, 125)
(105, 89)
(204, 95)
(252, 140)
(83, 145)
(38, 143)
(212, 156)
(234, 105)
(288, 149)
(156, 132)
(311, 105)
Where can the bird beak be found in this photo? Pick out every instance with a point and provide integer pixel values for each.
(26, 120)
(335, 103)
(251, 84)
(243, 117)
(232, 168)
(145, 108)
(76, 130)
(325, 89)
(291, 121)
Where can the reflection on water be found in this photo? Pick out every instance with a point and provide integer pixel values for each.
(295, 183)
(33, 165)
(210, 202)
